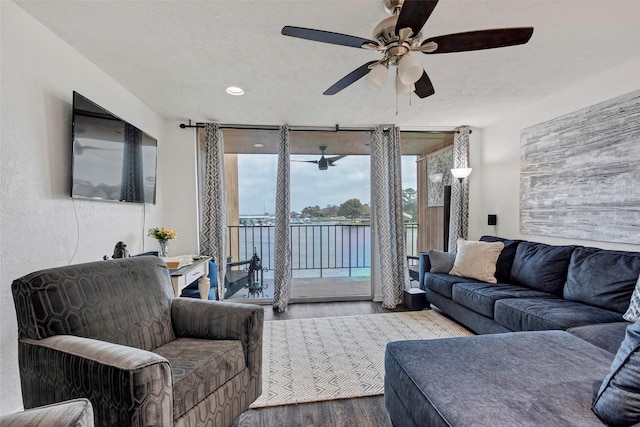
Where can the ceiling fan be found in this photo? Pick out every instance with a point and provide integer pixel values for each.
(324, 162)
(399, 34)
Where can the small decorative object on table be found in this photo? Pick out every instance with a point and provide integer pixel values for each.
(163, 235)
(120, 251)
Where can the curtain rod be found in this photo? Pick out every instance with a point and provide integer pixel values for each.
(337, 128)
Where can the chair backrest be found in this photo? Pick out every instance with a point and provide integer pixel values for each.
(124, 301)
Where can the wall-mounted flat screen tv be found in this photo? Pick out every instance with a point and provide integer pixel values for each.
(112, 159)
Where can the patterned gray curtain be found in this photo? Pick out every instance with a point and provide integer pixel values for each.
(132, 189)
(458, 190)
(387, 205)
(282, 247)
(213, 228)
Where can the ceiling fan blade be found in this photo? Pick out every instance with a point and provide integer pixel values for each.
(414, 14)
(350, 78)
(334, 159)
(325, 36)
(424, 87)
(305, 161)
(482, 39)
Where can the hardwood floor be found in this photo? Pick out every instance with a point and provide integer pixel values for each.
(358, 412)
(327, 309)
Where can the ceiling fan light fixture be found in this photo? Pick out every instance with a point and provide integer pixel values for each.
(401, 88)
(409, 69)
(376, 77)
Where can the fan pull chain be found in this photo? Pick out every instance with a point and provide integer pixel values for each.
(396, 84)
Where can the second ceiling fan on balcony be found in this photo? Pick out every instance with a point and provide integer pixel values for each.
(400, 34)
(324, 162)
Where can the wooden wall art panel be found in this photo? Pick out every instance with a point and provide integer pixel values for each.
(580, 174)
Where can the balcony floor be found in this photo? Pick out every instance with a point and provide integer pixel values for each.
(319, 288)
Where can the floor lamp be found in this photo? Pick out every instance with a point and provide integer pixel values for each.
(461, 173)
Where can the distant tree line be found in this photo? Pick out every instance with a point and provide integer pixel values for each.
(354, 208)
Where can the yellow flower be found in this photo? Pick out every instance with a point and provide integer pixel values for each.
(163, 233)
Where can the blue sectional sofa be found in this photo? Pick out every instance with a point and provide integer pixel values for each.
(550, 329)
(540, 287)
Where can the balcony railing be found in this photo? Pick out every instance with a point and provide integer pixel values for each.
(313, 247)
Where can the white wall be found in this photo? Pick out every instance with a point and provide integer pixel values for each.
(496, 189)
(38, 228)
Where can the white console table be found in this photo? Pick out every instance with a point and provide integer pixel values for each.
(186, 275)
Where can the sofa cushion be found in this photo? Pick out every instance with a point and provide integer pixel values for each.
(481, 297)
(199, 367)
(505, 260)
(602, 278)
(618, 400)
(441, 262)
(442, 283)
(608, 336)
(540, 266)
(477, 260)
(539, 379)
(537, 314)
(633, 312)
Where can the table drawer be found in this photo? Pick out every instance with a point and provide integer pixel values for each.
(194, 274)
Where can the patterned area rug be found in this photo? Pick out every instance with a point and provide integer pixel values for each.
(309, 360)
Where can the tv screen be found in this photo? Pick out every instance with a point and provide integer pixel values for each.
(112, 159)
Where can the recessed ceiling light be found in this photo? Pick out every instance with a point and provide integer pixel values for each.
(258, 145)
(234, 90)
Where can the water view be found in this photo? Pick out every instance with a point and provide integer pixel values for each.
(328, 249)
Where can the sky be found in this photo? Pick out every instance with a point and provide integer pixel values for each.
(349, 179)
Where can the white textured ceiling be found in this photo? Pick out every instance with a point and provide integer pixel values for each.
(179, 56)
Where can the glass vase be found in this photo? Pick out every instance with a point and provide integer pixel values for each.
(164, 248)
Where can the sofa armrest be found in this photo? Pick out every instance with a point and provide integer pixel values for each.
(223, 321)
(77, 413)
(125, 385)
(424, 266)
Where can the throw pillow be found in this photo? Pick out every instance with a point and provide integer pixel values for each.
(618, 400)
(477, 260)
(441, 262)
(633, 312)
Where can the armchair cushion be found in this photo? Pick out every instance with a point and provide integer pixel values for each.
(199, 367)
(229, 321)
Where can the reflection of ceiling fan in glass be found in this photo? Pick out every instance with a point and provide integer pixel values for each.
(400, 34)
(324, 162)
(78, 148)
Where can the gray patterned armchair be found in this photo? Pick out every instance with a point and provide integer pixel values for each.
(112, 331)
